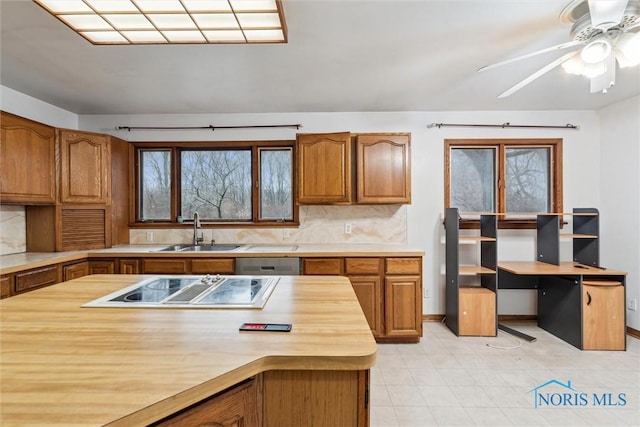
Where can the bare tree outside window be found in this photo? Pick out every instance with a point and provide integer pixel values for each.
(276, 171)
(216, 184)
(473, 179)
(508, 176)
(527, 179)
(155, 202)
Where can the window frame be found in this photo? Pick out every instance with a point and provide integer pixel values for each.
(175, 149)
(501, 145)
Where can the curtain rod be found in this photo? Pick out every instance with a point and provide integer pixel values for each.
(504, 126)
(212, 127)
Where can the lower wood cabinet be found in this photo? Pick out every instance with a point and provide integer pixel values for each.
(239, 406)
(6, 286)
(166, 265)
(476, 312)
(213, 265)
(102, 266)
(75, 271)
(389, 291)
(36, 278)
(128, 266)
(603, 323)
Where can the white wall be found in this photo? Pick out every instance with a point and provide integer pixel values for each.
(424, 215)
(26, 106)
(620, 188)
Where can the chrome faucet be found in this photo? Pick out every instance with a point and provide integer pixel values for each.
(196, 226)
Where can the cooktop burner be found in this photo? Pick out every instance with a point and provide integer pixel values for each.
(193, 292)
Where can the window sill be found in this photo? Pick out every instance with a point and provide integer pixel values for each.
(264, 224)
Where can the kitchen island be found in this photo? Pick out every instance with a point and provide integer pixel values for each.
(64, 364)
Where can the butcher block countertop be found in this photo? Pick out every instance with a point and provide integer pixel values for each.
(62, 364)
(17, 262)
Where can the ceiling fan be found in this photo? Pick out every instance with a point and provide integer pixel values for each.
(605, 30)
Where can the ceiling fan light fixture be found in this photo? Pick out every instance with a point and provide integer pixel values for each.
(595, 70)
(575, 65)
(596, 51)
(627, 50)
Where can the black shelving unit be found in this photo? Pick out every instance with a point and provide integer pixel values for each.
(486, 270)
(586, 231)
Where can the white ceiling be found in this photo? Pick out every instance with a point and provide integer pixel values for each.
(342, 55)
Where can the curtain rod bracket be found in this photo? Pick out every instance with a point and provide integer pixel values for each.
(502, 126)
(212, 127)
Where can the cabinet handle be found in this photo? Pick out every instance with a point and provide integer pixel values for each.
(588, 298)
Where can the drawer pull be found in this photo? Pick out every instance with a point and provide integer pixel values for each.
(588, 298)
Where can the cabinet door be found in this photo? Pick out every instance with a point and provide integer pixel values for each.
(102, 267)
(128, 266)
(383, 168)
(75, 271)
(27, 161)
(368, 289)
(603, 325)
(324, 168)
(6, 286)
(238, 407)
(403, 306)
(85, 167)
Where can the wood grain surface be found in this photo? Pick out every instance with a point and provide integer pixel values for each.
(63, 364)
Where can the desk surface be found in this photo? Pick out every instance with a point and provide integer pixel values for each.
(568, 268)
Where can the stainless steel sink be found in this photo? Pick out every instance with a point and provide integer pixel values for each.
(200, 248)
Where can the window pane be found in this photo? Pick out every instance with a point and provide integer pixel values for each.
(155, 184)
(216, 184)
(276, 201)
(527, 179)
(473, 179)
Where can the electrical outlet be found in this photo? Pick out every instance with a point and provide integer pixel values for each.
(149, 236)
(347, 228)
(427, 293)
(632, 304)
(286, 233)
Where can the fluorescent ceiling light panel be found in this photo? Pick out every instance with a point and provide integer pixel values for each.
(212, 21)
(224, 36)
(172, 21)
(144, 37)
(207, 5)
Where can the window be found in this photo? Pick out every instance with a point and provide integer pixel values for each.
(511, 176)
(226, 183)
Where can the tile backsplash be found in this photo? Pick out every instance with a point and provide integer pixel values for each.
(13, 235)
(318, 225)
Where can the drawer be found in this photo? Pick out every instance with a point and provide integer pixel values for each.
(36, 278)
(362, 265)
(403, 266)
(165, 266)
(322, 266)
(211, 266)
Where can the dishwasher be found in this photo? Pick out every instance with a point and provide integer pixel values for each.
(274, 266)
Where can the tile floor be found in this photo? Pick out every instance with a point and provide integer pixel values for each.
(461, 381)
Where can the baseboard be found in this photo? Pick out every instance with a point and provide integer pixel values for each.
(516, 318)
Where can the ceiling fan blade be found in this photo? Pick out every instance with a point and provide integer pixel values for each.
(606, 13)
(542, 71)
(529, 55)
(604, 81)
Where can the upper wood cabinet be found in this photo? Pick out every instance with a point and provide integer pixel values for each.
(345, 168)
(85, 167)
(383, 164)
(27, 161)
(324, 168)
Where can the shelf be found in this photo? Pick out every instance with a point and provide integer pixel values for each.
(578, 236)
(472, 270)
(472, 239)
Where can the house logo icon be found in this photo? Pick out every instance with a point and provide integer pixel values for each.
(555, 393)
